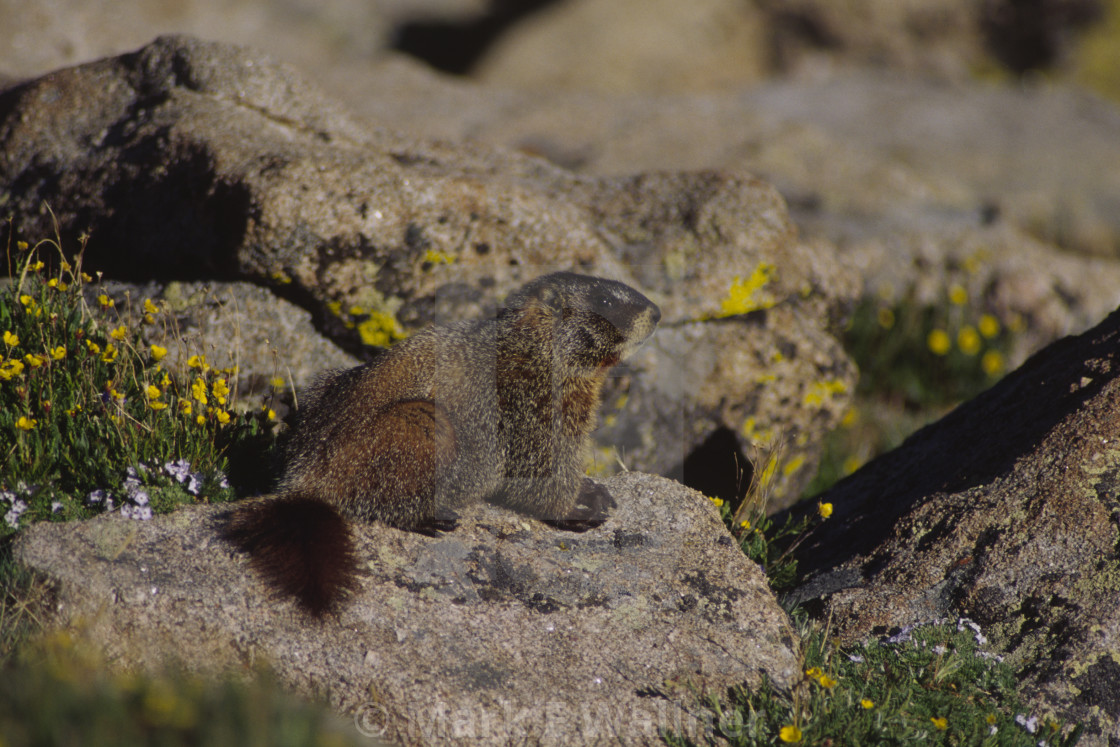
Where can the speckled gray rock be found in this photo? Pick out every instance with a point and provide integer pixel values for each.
(909, 178)
(234, 325)
(1004, 512)
(502, 631)
(189, 159)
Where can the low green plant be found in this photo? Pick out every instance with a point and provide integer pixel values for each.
(928, 354)
(89, 418)
(925, 685)
(58, 691)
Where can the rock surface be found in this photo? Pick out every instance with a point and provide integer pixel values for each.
(195, 160)
(1004, 512)
(501, 631)
(906, 176)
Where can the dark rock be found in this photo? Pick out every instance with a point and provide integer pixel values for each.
(1005, 511)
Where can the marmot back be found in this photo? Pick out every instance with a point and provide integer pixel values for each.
(498, 410)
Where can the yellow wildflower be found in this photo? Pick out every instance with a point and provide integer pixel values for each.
(201, 419)
(938, 342)
(958, 296)
(277, 383)
(198, 390)
(222, 415)
(33, 360)
(826, 681)
(110, 353)
(718, 502)
(149, 307)
(25, 423)
(867, 704)
(992, 363)
(157, 352)
(968, 340)
(119, 333)
(158, 405)
(988, 325)
(824, 509)
(185, 406)
(10, 369)
(745, 524)
(22, 246)
(886, 317)
(220, 390)
(199, 362)
(105, 301)
(11, 339)
(790, 734)
(941, 724)
(36, 266)
(93, 347)
(58, 353)
(153, 392)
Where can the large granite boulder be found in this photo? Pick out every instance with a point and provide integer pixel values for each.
(501, 631)
(192, 160)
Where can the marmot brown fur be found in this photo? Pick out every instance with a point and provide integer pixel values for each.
(496, 410)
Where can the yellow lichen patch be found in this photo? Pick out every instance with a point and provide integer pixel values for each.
(380, 329)
(820, 390)
(754, 434)
(438, 258)
(744, 295)
(793, 465)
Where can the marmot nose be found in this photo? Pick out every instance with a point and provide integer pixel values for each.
(656, 313)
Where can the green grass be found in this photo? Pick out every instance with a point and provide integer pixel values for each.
(928, 685)
(59, 692)
(934, 684)
(91, 422)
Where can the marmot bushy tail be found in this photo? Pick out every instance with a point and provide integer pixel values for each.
(496, 410)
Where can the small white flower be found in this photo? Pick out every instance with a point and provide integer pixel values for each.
(194, 487)
(179, 469)
(140, 497)
(1030, 724)
(56, 507)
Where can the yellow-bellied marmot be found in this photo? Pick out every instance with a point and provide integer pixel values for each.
(497, 410)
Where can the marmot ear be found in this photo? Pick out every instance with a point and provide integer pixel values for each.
(552, 298)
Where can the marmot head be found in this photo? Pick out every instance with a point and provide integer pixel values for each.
(595, 322)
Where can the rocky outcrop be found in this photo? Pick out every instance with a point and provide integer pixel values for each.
(501, 631)
(191, 160)
(1004, 512)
